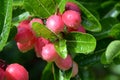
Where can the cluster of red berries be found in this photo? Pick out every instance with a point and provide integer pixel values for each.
(13, 71)
(69, 20)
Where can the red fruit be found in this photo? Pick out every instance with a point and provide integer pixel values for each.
(55, 23)
(74, 69)
(72, 6)
(16, 72)
(24, 33)
(24, 47)
(36, 20)
(72, 19)
(24, 24)
(49, 53)
(2, 74)
(64, 64)
(39, 43)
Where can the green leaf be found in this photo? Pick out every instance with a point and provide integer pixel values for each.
(17, 19)
(5, 21)
(115, 31)
(61, 75)
(46, 74)
(80, 42)
(42, 30)
(61, 5)
(112, 51)
(61, 48)
(44, 8)
(18, 3)
(89, 21)
(113, 12)
(41, 8)
(107, 24)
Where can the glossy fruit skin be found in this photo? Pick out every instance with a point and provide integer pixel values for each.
(72, 6)
(24, 47)
(24, 33)
(16, 71)
(74, 69)
(55, 23)
(49, 53)
(2, 74)
(64, 64)
(71, 19)
(39, 44)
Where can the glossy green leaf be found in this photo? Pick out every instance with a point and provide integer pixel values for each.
(113, 12)
(115, 31)
(42, 30)
(107, 24)
(112, 51)
(41, 8)
(46, 74)
(90, 4)
(80, 43)
(5, 21)
(61, 75)
(89, 21)
(61, 48)
(17, 19)
(44, 8)
(18, 2)
(61, 5)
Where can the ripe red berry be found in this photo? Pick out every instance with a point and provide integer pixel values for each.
(16, 71)
(24, 24)
(72, 19)
(49, 53)
(64, 64)
(24, 47)
(74, 69)
(55, 23)
(39, 43)
(2, 74)
(72, 6)
(36, 20)
(24, 33)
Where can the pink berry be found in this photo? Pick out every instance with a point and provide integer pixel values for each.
(24, 23)
(36, 20)
(55, 23)
(74, 69)
(64, 64)
(49, 53)
(24, 47)
(39, 43)
(2, 74)
(16, 71)
(72, 6)
(24, 33)
(72, 19)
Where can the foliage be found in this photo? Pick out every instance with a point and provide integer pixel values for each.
(97, 51)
